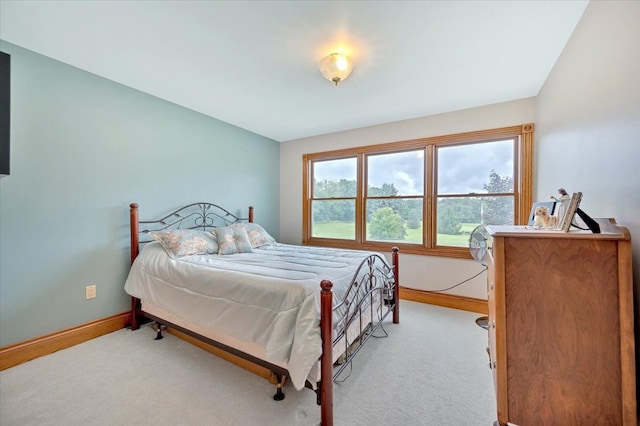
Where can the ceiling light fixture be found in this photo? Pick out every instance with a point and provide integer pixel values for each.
(336, 67)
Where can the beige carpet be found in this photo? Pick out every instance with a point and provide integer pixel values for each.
(431, 370)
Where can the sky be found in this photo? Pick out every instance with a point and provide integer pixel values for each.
(462, 169)
(465, 169)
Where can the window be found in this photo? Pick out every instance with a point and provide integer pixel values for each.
(424, 196)
(465, 172)
(333, 207)
(394, 198)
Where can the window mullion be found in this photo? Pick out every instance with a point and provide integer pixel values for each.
(524, 153)
(360, 199)
(307, 178)
(429, 207)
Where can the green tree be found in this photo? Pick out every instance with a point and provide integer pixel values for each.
(334, 210)
(388, 189)
(448, 222)
(415, 217)
(498, 210)
(400, 205)
(387, 225)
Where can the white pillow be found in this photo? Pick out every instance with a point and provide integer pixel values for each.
(258, 236)
(186, 242)
(232, 239)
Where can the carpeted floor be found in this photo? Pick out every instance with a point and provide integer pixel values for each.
(431, 370)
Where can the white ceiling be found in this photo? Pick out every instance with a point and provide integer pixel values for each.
(254, 63)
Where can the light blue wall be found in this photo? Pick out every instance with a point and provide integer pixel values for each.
(82, 149)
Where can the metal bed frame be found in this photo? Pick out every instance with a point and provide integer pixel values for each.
(374, 288)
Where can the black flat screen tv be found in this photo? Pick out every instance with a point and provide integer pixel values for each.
(5, 109)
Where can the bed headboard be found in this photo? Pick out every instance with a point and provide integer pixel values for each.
(193, 216)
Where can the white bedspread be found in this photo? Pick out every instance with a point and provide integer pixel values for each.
(269, 297)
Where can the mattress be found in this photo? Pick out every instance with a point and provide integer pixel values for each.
(265, 303)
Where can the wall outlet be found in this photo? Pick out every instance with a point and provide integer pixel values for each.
(90, 292)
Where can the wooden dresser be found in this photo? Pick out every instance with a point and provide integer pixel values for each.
(561, 340)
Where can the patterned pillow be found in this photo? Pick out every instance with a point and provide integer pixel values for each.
(232, 239)
(257, 234)
(185, 242)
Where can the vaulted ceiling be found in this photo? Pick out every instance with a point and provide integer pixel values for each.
(254, 64)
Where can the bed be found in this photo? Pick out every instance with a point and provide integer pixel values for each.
(302, 312)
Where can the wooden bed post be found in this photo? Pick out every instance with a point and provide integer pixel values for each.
(133, 223)
(135, 240)
(250, 214)
(396, 289)
(326, 359)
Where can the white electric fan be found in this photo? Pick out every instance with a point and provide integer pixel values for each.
(478, 246)
(479, 243)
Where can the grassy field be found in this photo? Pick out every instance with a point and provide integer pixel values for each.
(345, 230)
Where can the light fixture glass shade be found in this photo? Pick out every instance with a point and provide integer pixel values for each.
(336, 67)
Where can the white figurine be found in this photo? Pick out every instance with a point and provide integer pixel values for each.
(562, 203)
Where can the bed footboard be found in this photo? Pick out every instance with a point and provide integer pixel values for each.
(325, 387)
(375, 287)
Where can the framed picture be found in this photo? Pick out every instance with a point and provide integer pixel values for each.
(550, 205)
(571, 212)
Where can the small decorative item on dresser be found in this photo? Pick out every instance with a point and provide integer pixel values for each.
(543, 219)
(562, 203)
(570, 212)
(550, 205)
